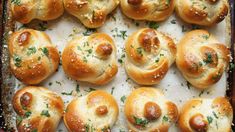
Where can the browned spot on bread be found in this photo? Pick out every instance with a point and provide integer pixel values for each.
(24, 38)
(148, 40)
(26, 99)
(134, 2)
(102, 110)
(104, 50)
(198, 123)
(152, 111)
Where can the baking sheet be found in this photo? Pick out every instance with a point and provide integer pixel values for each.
(119, 28)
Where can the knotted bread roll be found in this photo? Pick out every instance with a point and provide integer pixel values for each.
(92, 13)
(202, 12)
(151, 10)
(206, 115)
(32, 56)
(149, 56)
(147, 110)
(91, 59)
(26, 10)
(38, 109)
(95, 112)
(201, 58)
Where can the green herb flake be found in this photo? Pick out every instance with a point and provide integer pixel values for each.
(123, 99)
(165, 118)
(19, 120)
(140, 121)
(31, 50)
(45, 113)
(215, 115)
(205, 36)
(139, 51)
(153, 25)
(112, 90)
(27, 114)
(17, 60)
(70, 93)
(16, 2)
(78, 88)
(45, 51)
(208, 59)
(209, 119)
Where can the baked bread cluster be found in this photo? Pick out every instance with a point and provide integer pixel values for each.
(149, 56)
(202, 12)
(26, 10)
(206, 115)
(146, 109)
(95, 112)
(32, 56)
(201, 58)
(91, 59)
(151, 10)
(38, 109)
(92, 13)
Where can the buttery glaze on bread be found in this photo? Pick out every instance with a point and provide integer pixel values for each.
(26, 10)
(92, 13)
(201, 58)
(151, 10)
(147, 110)
(32, 56)
(91, 59)
(38, 109)
(97, 111)
(206, 115)
(202, 12)
(149, 56)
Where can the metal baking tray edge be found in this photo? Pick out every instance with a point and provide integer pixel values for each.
(5, 85)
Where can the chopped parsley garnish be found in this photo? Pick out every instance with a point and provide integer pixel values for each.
(79, 48)
(19, 120)
(35, 130)
(215, 115)
(139, 51)
(70, 93)
(231, 66)
(88, 31)
(16, 2)
(205, 36)
(123, 99)
(17, 60)
(173, 21)
(157, 60)
(165, 118)
(123, 35)
(27, 114)
(84, 59)
(120, 61)
(45, 113)
(89, 51)
(77, 88)
(112, 90)
(209, 119)
(140, 121)
(208, 59)
(90, 90)
(31, 50)
(153, 25)
(45, 51)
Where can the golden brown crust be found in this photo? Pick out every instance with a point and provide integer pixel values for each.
(205, 13)
(155, 10)
(201, 58)
(32, 56)
(38, 109)
(91, 13)
(206, 115)
(26, 10)
(149, 56)
(135, 111)
(81, 114)
(91, 59)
